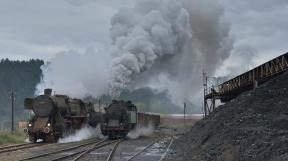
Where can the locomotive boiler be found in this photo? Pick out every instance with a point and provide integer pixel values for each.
(56, 116)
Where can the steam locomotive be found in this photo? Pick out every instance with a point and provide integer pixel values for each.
(121, 117)
(58, 115)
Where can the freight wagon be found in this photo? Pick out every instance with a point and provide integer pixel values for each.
(145, 119)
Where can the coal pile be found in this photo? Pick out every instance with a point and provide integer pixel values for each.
(252, 127)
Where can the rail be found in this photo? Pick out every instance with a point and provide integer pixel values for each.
(61, 150)
(19, 147)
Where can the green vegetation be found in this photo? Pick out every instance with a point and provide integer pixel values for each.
(22, 77)
(7, 137)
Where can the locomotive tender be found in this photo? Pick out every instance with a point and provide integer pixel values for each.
(56, 116)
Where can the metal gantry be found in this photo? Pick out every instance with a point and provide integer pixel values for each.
(209, 103)
(244, 82)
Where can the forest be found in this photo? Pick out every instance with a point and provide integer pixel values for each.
(22, 78)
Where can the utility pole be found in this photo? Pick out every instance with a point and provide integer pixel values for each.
(12, 110)
(205, 107)
(99, 103)
(184, 113)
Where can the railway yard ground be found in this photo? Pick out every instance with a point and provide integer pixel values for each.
(152, 147)
(144, 148)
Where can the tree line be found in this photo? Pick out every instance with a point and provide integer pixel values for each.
(21, 77)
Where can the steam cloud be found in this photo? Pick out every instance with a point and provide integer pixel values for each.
(82, 134)
(140, 131)
(161, 44)
(76, 73)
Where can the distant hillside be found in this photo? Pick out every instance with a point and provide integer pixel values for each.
(22, 77)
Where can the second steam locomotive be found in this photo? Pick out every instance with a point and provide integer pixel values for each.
(121, 117)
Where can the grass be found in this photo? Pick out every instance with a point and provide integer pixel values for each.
(15, 137)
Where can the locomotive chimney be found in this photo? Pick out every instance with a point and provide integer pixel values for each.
(48, 91)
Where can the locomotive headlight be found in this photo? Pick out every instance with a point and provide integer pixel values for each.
(30, 125)
(48, 124)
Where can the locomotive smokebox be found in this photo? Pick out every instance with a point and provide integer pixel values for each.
(48, 91)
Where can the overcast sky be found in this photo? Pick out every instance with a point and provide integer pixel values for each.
(42, 28)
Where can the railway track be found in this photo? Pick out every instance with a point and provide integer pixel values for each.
(139, 152)
(168, 147)
(49, 154)
(19, 147)
(148, 146)
(81, 154)
(110, 156)
(73, 153)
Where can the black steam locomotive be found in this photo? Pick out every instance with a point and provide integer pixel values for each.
(56, 116)
(120, 117)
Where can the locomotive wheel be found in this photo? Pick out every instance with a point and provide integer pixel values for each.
(32, 138)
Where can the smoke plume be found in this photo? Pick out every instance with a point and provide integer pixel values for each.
(168, 43)
(163, 44)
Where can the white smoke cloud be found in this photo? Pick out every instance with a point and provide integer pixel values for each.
(77, 73)
(82, 134)
(162, 44)
(140, 131)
